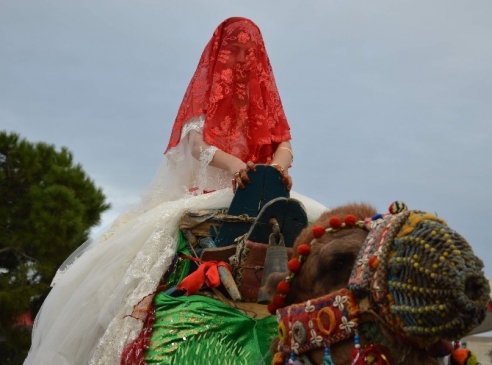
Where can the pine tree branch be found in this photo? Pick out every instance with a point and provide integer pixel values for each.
(7, 249)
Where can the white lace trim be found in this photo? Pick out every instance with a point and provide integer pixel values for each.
(195, 124)
(207, 154)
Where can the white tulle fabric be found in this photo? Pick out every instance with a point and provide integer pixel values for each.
(85, 319)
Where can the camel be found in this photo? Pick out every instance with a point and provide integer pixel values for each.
(391, 289)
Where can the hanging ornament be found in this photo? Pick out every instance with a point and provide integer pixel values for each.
(327, 360)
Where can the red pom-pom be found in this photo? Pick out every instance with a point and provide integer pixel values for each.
(461, 357)
(283, 287)
(350, 220)
(294, 265)
(304, 249)
(272, 309)
(335, 223)
(373, 262)
(278, 301)
(318, 231)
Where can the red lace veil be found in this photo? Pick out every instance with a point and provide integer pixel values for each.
(234, 87)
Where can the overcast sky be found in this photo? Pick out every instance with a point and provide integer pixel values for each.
(387, 100)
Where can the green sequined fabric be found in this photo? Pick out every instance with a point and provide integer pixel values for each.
(181, 267)
(200, 330)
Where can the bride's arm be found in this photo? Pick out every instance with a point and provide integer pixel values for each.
(220, 159)
(215, 157)
(282, 160)
(283, 156)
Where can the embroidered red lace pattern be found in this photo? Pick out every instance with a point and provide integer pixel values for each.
(235, 88)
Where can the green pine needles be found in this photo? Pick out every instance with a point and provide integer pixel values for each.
(47, 206)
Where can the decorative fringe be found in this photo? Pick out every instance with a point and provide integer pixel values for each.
(327, 360)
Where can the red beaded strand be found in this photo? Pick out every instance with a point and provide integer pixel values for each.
(294, 265)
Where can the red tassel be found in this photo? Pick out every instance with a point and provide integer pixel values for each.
(213, 279)
(207, 273)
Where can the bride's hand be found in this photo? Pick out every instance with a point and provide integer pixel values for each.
(240, 176)
(286, 178)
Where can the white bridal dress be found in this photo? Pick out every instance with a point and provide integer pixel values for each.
(84, 319)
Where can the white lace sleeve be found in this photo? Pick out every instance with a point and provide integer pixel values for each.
(195, 124)
(207, 154)
(188, 166)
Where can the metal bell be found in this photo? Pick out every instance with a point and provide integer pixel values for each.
(275, 261)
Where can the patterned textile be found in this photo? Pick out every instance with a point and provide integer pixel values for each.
(317, 323)
(235, 88)
(187, 322)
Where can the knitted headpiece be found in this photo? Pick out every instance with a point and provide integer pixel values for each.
(423, 276)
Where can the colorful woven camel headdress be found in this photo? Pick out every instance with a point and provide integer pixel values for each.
(419, 275)
(423, 276)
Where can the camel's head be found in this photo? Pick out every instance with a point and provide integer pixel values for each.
(414, 279)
